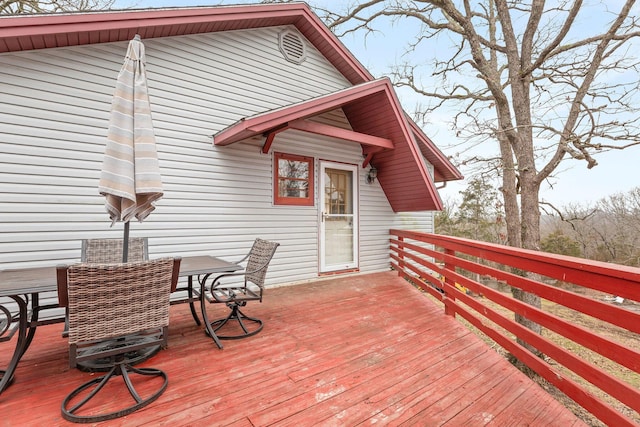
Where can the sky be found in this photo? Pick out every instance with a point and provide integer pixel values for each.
(616, 172)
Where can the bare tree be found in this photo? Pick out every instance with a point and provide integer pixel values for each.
(543, 82)
(608, 230)
(11, 7)
(577, 221)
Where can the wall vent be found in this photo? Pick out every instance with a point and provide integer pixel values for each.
(292, 46)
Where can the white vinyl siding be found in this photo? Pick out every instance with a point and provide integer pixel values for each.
(54, 112)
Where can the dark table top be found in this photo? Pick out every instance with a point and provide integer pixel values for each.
(43, 279)
(201, 264)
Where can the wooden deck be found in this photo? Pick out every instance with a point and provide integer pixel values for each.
(341, 352)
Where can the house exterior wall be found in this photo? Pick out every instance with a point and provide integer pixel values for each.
(54, 112)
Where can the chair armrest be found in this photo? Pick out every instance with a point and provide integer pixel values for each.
(61, 277)
(205, 277)
(215, 284)
(244, 258)
(235, 273)
(176, 273)
(220, 276)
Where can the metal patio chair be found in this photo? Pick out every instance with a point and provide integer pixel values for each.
(236, 295)
(115, 302)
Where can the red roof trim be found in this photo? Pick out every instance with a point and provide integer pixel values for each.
(28, 32)
(264, 122)
(445, 170)
(417, 158)
(27, 25)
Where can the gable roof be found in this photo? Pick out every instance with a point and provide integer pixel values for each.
(408, 188)
(379, 124)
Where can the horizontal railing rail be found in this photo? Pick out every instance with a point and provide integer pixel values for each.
(452, 270)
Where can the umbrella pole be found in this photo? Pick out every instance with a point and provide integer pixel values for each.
(125, 243)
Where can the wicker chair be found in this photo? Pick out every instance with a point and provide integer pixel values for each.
(109, 301)
(108, 251)
(250, 288)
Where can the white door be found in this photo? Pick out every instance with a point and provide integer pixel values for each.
(338, 217)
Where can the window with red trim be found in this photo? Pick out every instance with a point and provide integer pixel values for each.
(293, 180)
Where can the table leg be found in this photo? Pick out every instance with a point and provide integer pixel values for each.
(190, 296)
(32, 322)
(7, 375)
(205, 318)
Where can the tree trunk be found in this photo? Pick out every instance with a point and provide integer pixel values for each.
(530, 239)
(510, 194)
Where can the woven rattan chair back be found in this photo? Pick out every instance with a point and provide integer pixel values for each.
(116, 302)
(111, 300)
(259, 258)
(110, 250)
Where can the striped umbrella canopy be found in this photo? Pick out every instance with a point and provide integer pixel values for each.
(130, 178)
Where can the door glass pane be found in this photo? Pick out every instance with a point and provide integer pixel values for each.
(338, 217)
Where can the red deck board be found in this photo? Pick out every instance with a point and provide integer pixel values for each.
(343, 351)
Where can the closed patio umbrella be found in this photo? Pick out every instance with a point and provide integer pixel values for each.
(130, 179)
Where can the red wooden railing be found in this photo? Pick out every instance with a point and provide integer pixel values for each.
(436, 263)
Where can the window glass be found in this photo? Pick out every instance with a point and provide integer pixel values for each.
(293, 180)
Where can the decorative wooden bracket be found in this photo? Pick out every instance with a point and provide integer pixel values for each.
(368, 153)
(367, 160)
(270, 136)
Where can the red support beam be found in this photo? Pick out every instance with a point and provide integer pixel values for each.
(340, 133)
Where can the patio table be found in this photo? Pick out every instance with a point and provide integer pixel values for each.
(24, 286)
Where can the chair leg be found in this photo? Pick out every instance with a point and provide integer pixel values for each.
(120, 369)
(241, 317)
(205, 318)
(194, 314)
(243, 320)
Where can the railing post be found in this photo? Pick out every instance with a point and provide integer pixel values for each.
(449, 300)
(401, 264)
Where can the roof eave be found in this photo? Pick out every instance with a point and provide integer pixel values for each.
(440, 162)
(263, 122)
(27, 32)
